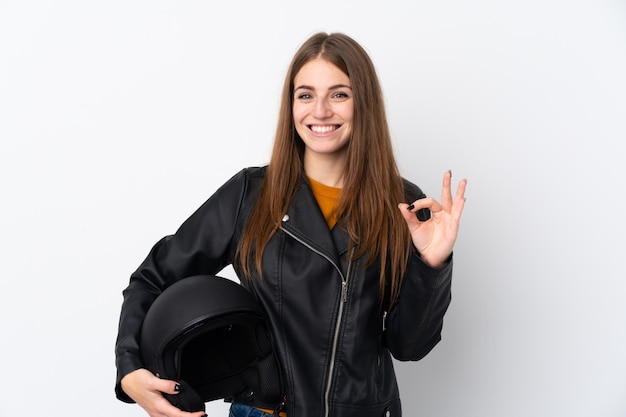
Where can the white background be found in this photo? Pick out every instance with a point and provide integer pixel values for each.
(119, 118)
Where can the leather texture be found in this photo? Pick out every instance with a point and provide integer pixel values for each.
(323, 309)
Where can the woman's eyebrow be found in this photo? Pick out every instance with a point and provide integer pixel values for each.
(332, 87)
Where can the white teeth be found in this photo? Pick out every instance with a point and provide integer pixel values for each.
(323, 129)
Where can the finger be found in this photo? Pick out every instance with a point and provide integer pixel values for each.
(460, 190)
(409, 217)
(446, 190)
(459, 200)
(427, 202)
(405, 209)
(175, 388)
(165, 409)
(166, 385)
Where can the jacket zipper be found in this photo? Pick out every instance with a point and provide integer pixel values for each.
(344, 298)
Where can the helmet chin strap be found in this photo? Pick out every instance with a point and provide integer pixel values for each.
(187, 398)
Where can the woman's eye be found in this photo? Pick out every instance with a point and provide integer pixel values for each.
(305, 96)
(340, 94)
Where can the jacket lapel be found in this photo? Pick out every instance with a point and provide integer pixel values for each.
(305, 220)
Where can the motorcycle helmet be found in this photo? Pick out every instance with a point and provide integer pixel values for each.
(209, 334)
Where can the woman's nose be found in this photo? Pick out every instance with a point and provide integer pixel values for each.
(322, 109)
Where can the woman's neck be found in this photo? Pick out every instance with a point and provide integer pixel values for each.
(325, 170)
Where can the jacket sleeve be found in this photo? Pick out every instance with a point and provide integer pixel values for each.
(202, 245)
(413, 325)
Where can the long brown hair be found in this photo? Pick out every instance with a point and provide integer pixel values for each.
(372, 183)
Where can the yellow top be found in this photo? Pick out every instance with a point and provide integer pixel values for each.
(327, 198)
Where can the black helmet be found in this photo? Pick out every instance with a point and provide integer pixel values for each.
(208, 333)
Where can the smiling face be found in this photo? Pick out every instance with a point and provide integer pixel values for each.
(323, 109)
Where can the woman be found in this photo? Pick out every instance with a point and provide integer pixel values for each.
(346, 270)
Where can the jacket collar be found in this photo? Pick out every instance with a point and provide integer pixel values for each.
(305, 220)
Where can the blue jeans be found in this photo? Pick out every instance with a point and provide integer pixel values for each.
(242, 410)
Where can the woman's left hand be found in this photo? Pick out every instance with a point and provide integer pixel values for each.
(434, 238)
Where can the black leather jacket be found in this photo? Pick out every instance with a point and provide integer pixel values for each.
(334, 340)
